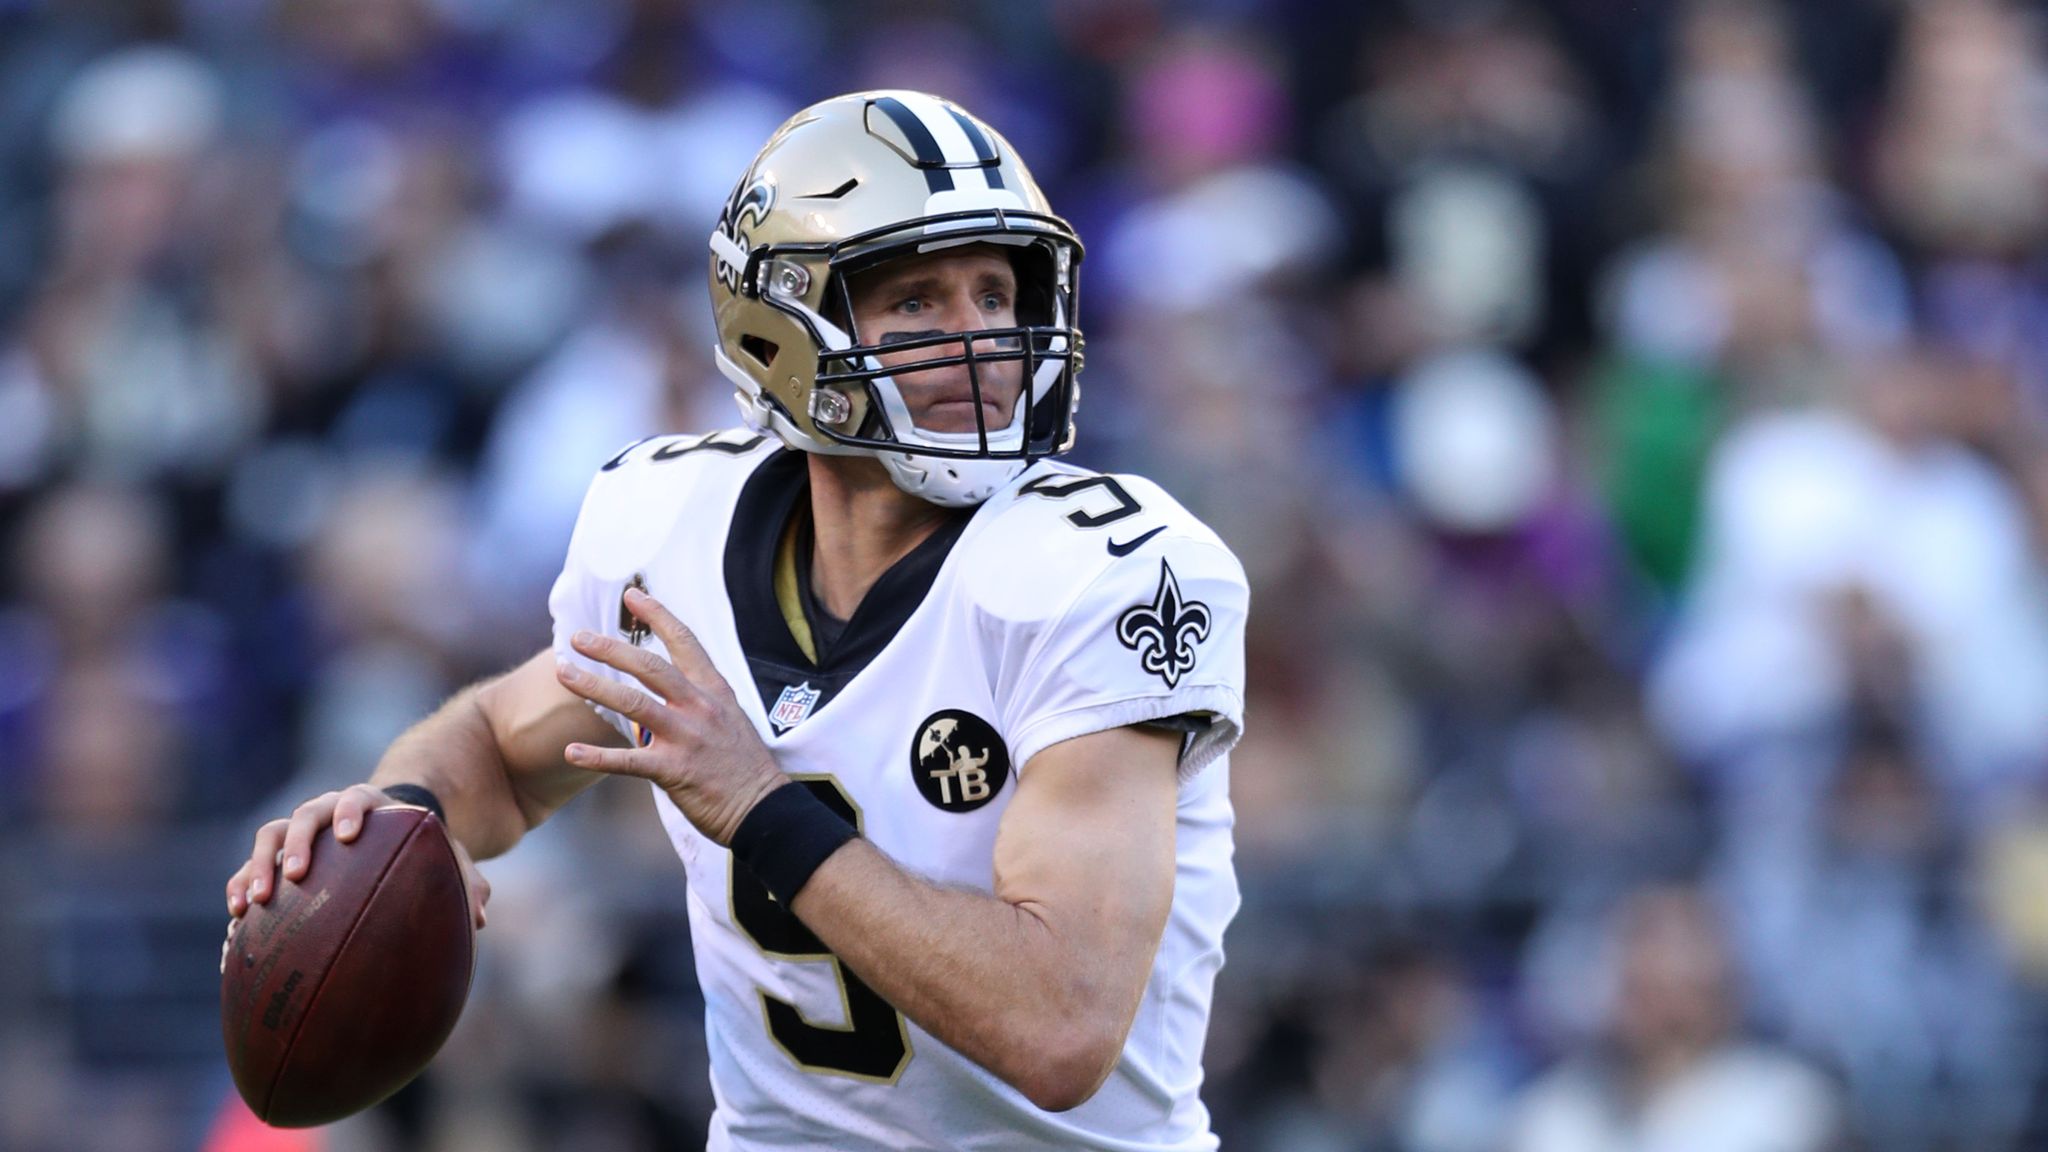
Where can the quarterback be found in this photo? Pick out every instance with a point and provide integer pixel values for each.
(938, 725)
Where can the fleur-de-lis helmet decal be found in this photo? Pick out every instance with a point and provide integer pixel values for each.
(1164, 633)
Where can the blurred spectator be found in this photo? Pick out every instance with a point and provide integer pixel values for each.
(632, 370)
(1963, 159)
(1222, 213)
(1761, 287)
(1961, 166)
(1858, 919)
(383, 571)
(121, 362)
(1673, 1070)
(1885, 502)
(1465, 156)
(1763, 260)
(98, 634)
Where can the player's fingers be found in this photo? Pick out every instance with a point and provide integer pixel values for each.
(254, 881)
(238, 892)
(684, 652)
(616, 761)
(659, 675)
(349, 808)
(306, 823)
(479, 888)
(479, 896)
(624, 699)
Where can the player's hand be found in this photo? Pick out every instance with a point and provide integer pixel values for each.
(705, 753)
(287, 845)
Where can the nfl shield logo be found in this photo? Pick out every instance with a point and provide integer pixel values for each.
(794, 706)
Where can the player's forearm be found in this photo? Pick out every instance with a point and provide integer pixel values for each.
(454, 754)
(997, 982)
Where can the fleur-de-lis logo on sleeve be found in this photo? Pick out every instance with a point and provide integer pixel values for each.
(1164, 633)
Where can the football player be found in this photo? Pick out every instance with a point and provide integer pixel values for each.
(938, 725)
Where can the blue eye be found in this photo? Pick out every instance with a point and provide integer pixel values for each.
(913, 305)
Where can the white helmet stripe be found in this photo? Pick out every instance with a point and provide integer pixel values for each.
(950, 137)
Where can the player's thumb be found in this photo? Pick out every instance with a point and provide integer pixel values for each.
(479, 895)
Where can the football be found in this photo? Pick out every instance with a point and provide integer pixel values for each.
(338, 991)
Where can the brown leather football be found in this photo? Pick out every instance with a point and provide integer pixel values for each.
(338, 991)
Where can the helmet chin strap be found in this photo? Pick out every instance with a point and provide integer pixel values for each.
(943, 480)
(949, 483)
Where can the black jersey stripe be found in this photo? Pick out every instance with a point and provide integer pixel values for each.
(778, 486)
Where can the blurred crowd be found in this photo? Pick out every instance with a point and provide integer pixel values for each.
(1633, 417)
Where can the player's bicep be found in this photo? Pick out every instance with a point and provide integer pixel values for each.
(1087, 845)
(533, 718)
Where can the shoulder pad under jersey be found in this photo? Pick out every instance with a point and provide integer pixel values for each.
(1058, 530)
(636, 496)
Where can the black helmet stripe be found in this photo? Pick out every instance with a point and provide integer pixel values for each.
(984, 150)
(930, 125)
(929, 157)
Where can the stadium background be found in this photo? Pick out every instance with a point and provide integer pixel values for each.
(1631, 416)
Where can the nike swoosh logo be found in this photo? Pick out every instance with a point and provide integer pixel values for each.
(1116, 549)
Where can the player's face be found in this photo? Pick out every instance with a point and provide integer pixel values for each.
(965, 289)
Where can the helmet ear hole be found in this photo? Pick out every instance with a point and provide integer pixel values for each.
(1034, 268)
(761, 351)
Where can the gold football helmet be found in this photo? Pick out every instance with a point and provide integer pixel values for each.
(842, 187)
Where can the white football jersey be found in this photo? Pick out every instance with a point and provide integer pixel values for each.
(1070, 603)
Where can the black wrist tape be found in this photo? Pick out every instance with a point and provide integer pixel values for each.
(415, 794)
(786, 837)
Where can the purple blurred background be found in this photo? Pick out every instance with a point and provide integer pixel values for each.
(1633, 418)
